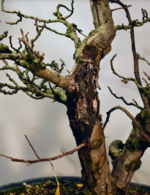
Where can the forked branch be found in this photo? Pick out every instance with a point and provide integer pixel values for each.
(135, 54)
(70, 32)
(125, 80)
(143, 135)
(44, 159)
(32, 60)
(32, 89)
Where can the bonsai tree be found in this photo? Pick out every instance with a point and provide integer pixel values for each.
(78, 91)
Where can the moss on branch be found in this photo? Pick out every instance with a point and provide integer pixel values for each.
(70, 32)
(135, 23)
(115, 149)
(32, 89)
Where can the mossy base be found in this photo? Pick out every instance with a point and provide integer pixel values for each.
(66, 188)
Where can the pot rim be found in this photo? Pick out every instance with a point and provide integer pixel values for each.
(41, 180)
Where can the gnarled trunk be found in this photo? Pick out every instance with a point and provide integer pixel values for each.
(83, 103)
(85, 121)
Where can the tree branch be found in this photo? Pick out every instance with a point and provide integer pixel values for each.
(125, 80)
(46, 73)
(143, 135)
(33, 61)
(44, 159)
(4, 35)
(99, 10)
(135, 23)
(40, 91)
(147, 76)
(129, 104)
(71, 33)
(144, 60)
(29, 88)
(143, 90)
(32, 147)
(59, 15)
(135, 55)
(120, 8)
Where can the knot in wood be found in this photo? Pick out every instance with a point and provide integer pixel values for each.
(90, 51)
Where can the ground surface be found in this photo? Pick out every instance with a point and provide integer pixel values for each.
(66, 188)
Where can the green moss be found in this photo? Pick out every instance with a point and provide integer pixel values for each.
(4, 48)
(145, 114)
(133, 165)
(14, 52)
(115, 148)
(24, 64)
(96, 143)
(66, 188)
(130, 146)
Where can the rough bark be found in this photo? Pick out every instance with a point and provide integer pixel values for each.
(85, 121)
(129, 159)
(83, 103)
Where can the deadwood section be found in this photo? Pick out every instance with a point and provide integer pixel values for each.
(83, 103)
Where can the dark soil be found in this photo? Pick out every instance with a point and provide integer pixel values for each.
(66, 188)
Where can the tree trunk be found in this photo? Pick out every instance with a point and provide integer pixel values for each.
(85, 121)
(83, 103)
(129, 159)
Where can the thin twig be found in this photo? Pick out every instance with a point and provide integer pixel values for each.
(122, 98)
(6, 63)
(125, 80)
(4, 35)
(46, 159)
(144, 60)
(147, 76)
(37, 29)
(135, 55)
(38, 34)
(24, 40)
(10, 40)
(32, 147)
(120, 8)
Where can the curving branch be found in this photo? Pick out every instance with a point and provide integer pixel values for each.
(134, 23)
(44, 159)
(28, 46)
(32, 89)
(47, 74)
(59, 15)
(147, 76)
(135, 54)
(70, 32)
(32, 60)
(125, 80)
(143, 135)
(129, 104)
(29, 88)
(21, 15)
(144, 60)
(38, 33)
(53, 30)
(4, 35)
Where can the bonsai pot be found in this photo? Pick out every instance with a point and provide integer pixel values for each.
(68, 186)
